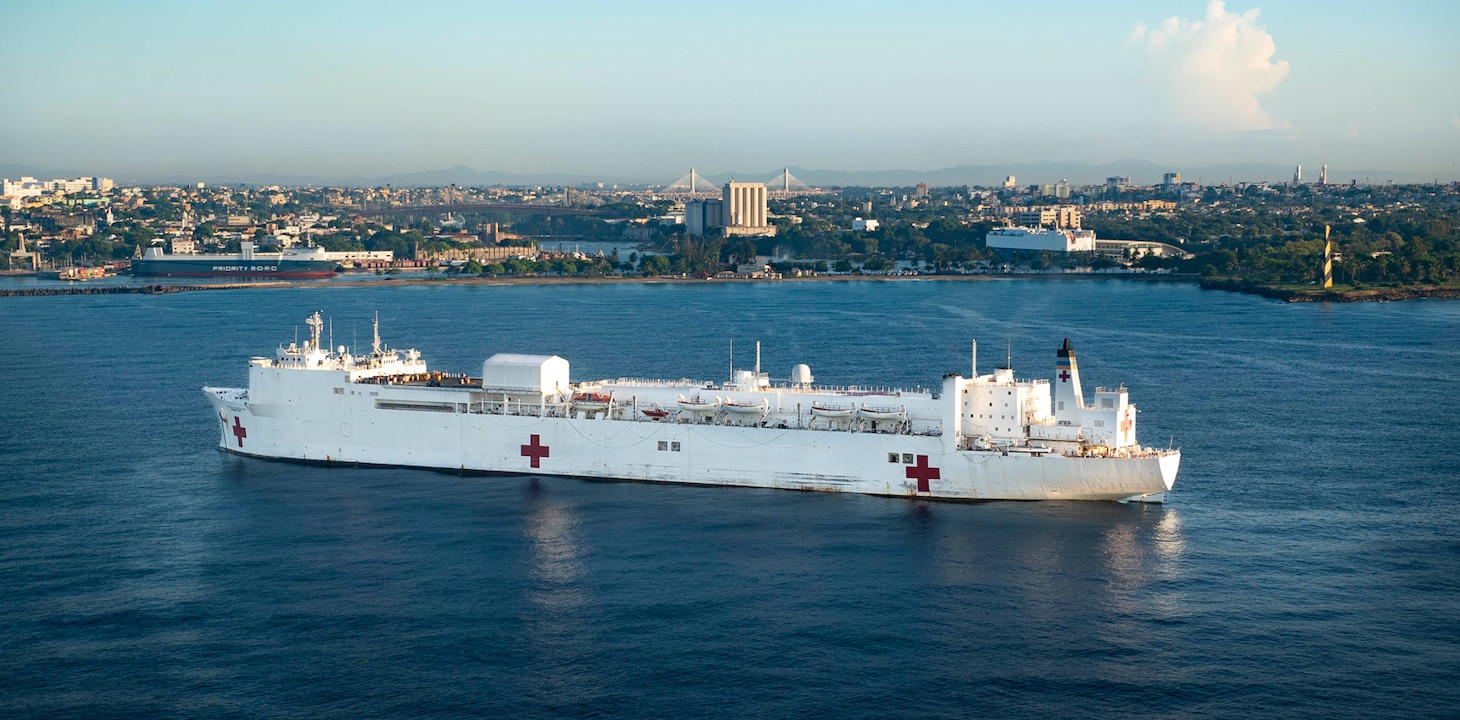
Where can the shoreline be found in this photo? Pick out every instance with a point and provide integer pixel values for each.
(1290, 295)
(412, 281)
(1287, 295)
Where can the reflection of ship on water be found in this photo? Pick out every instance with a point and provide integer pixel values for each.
(556, 559)
(559, 629)
(1062, 560)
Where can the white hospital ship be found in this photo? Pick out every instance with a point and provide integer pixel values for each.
(989, 437)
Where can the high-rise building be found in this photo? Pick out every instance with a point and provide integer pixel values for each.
(921, 191)
(1062, 189)
(1297, 174)
(702, 215)
(1323, 175)
(1170, 179)
(1117, 183)
(745, 209)
(1009, 183)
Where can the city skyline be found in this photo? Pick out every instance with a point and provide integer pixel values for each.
(363, 90)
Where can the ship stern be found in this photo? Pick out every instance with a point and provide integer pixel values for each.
(1170, 463)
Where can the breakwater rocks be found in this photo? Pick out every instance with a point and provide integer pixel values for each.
(1319, 295)
(131, 289)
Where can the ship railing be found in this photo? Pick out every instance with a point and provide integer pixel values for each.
(521, 408)
(650, 382)
(852, 390)
(624, 412)
(845, 390)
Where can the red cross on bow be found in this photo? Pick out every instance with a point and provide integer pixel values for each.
(923, 473)
(1064, 375)
(238, 431)
(535, 450)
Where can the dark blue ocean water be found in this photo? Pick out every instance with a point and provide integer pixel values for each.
(1308, 563)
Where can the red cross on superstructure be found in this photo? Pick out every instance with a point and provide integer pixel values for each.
(1064, 376)
(923, 473)
(535, 450)
(239, 432)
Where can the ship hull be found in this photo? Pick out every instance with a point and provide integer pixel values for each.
(352, 429)
(234, 268)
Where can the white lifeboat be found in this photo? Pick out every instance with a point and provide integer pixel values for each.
(591, 402)
(870, 412)
(697, 405)
(834, 412)
(745, 408)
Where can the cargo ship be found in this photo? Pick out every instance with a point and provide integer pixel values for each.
(986, 437)
(307, 262)
(77, 272)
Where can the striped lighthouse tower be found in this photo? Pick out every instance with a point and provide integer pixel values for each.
(1327, 259)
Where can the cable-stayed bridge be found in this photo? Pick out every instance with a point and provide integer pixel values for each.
(782, 184)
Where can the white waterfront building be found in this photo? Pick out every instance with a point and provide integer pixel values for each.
(1036, 239)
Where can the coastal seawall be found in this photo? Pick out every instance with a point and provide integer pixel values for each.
(1320, 295)
(131, 289)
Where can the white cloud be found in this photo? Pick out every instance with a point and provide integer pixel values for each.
(1213, 70)
(1352, 129)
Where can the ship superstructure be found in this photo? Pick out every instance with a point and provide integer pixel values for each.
(988, 437)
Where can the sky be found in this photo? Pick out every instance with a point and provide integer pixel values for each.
(647, 90)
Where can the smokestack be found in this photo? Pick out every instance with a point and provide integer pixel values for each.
(1068, 398)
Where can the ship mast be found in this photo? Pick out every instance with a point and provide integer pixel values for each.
(375, 346)
(315, 325)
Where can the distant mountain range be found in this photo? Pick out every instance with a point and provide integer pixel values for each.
(1141, 172)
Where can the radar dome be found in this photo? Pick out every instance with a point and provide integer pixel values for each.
(801, 375)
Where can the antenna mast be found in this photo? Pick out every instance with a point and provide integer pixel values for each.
(375, 347)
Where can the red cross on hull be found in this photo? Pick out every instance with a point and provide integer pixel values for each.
(922, 472)
(239, 432)
(535, 450)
